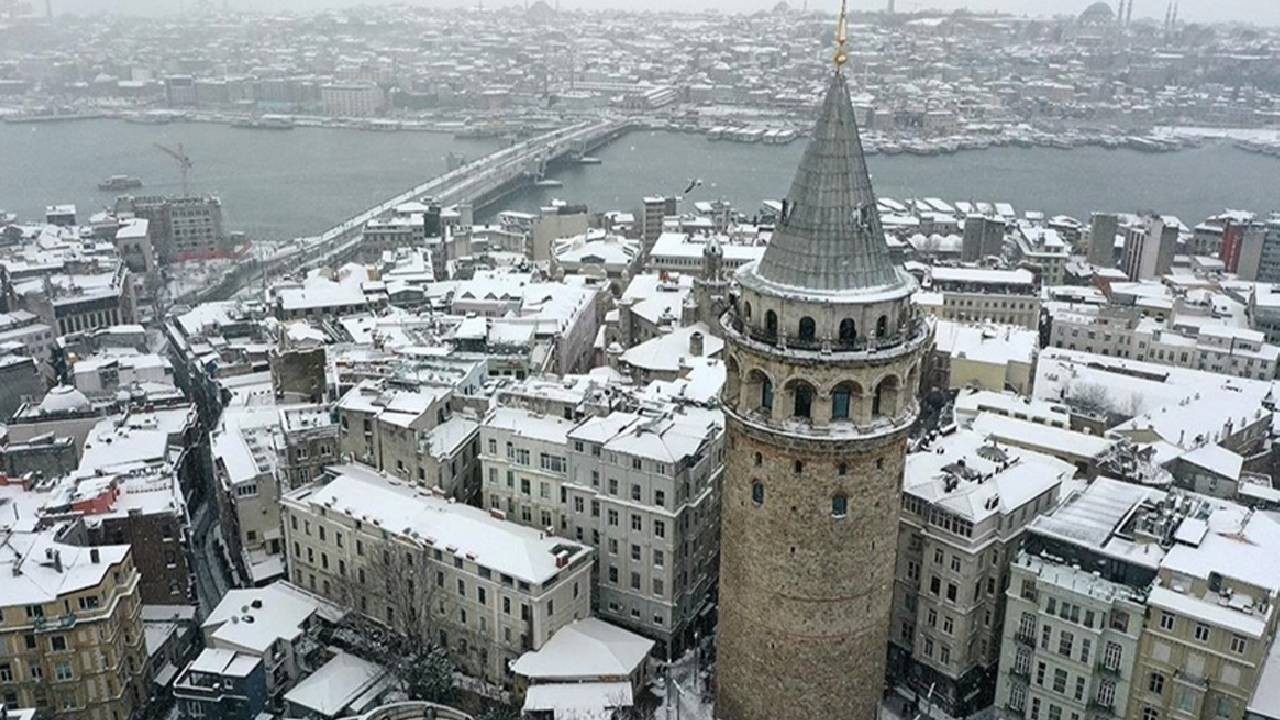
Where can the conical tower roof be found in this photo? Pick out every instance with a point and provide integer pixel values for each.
(829, 239)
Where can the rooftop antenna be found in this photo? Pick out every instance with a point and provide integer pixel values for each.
(842, 36)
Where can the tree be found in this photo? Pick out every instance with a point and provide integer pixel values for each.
(398, 595)
(1089, 398)
(426, 674)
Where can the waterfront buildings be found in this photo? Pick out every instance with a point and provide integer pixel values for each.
(823, 352)
(179, 227)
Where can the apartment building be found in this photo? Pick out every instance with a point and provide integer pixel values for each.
(310, 436)
(1211, 619)
(1075, 606)
(523, 460)
(1044, 251)
(178, 228)
(1149, 247)
(380, 422)
(246, 449)
(353, 99)
(644, 490)
(1169, 608)
(71, 635)
(1182, 341)
(1007, 297)
(986, 357)
(424, 566)
(965, 505)
(640, 487)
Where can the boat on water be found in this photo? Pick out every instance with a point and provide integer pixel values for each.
(547, 183)
(476, 132)
(589, 160)
(890, 148)
(265, 122)
(120, 182)
(716, 132)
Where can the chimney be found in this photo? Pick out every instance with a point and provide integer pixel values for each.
(695, 344)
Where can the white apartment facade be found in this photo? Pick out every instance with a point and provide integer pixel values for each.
(492, 589)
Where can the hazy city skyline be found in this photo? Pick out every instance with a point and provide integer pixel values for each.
(1246, 11)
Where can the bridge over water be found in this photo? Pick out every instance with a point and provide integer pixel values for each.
(478, 182)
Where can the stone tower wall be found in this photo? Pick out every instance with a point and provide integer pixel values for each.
(805, 596)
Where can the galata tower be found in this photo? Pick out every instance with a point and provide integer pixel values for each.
(823, 351)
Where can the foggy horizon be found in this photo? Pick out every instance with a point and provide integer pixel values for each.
(1257, 12)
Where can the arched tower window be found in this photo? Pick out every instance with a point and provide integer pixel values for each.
(771, 323)
(802, 394)
(808, 328)
(757, 492)
(842, 400)
(746, 312)
(885, 401)
(766, 394)
(839, 505)
(848, 331)
(882, 326)
(758, 460)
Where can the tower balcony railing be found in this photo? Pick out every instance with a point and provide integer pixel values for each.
(906, 338)
(851, 428)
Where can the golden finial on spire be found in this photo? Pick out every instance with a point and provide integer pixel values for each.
(842, 36)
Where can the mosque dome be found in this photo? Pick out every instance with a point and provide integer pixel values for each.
(64, 398)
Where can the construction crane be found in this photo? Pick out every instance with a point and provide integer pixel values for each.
(184, 164)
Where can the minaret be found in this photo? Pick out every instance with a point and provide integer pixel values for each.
(823, 358)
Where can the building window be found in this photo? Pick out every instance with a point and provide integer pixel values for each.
(1202, 632)
(848, 331)
(1106, 693)
(1239, 644)
(839, 505)
(840, 401)
(771, 324)
(803, 400)
(1166, 621)
(757, 492)
(1150, 713)
(1155, 683)
(808, 328)
(766, 394)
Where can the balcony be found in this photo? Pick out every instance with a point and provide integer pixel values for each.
(906, 339)
(1023, 674)
(1102, 708)
(1025, 638)
(1108, 670)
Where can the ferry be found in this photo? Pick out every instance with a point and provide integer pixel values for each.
(785, 136)
(120, 182)
(266, 122)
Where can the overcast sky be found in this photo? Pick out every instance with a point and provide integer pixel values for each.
(1252, 11)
